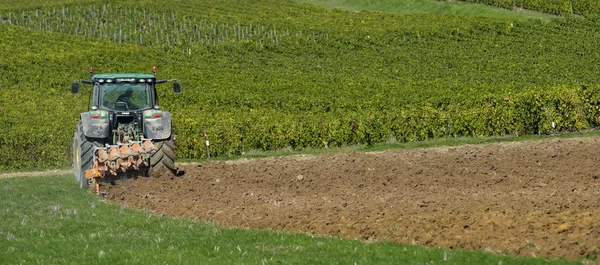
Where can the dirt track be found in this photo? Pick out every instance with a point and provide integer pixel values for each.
(536, 198)
(46, 173)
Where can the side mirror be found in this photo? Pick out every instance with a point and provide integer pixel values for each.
(75, 88)
(176, 88)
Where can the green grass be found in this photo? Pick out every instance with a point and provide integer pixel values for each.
(19, 4)
(474, 140)
(394, 145)
(430, 7)
(48, 221)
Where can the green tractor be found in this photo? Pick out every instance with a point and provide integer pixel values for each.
(124, 134)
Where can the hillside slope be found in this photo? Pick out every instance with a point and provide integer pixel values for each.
(260, 75)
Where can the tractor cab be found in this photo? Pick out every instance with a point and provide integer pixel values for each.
(127, 93)
(124, 92)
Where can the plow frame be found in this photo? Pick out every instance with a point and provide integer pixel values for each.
(121, 160)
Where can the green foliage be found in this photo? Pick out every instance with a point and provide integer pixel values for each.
(429, 6)
(312, 78)
(558, 7)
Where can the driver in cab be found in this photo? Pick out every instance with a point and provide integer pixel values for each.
(124, 100)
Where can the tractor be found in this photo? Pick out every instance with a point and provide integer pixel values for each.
(124, 134)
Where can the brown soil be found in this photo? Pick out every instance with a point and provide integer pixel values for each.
(538, 198)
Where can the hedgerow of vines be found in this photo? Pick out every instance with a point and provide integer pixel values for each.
(253, 81)
(558, 7)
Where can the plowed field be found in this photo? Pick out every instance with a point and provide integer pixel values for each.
(536, 198)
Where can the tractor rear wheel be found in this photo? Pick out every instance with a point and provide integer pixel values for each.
(164, 157)
(83, 155)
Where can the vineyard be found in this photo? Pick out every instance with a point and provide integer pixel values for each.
(559, 7)
(277, 74)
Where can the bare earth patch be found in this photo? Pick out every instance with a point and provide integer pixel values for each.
(35, 174)
(537, 198)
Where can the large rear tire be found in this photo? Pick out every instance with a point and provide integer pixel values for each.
(164, 157)
(83, 155)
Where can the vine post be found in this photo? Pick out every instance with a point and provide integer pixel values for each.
(207, 143)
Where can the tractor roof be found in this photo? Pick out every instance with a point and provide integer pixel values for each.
(99, 76)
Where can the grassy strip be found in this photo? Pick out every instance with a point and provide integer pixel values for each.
(475, 140)
(47, 221)
(394, 145)
(429, 7)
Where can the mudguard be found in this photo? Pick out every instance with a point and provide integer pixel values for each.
(95, 128)
(158, 128)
